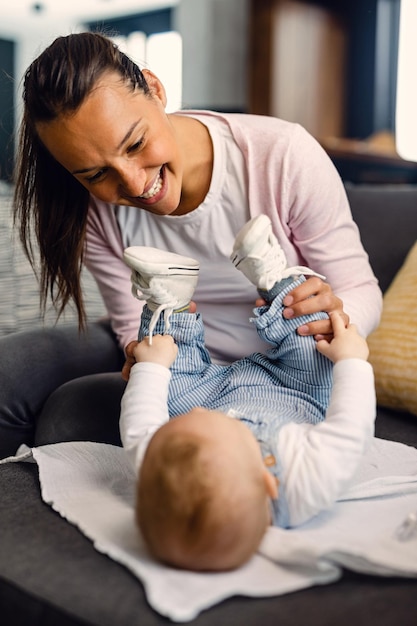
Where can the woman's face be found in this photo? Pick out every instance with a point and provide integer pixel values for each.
(121, 146)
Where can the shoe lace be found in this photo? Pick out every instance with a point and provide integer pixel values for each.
(296, 270)
(158, 294)
(277, 261)
(274, 263)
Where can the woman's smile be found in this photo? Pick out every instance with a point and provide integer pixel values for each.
(153, 190)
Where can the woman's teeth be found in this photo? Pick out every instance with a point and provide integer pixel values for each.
(156, 187)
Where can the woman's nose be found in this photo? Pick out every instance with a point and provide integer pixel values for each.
(132, 180)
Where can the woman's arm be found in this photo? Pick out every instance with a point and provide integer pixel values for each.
(325, 234)
(310, 213)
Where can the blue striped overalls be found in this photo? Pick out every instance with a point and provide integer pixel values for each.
(290, 383)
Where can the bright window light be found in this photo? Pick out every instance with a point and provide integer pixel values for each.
(406, 107)
(164, 58)
(162, 54)
(136, 48)
(134, 45)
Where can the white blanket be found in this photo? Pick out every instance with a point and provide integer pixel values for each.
(92, 486)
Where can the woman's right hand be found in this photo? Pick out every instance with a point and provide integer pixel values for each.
(130, 359)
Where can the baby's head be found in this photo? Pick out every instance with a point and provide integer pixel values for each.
(204, 492)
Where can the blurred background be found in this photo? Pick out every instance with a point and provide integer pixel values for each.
(330, 65)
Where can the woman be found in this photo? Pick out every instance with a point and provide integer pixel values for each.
(102, 167)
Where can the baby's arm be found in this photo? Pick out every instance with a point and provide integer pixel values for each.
(319, 461)
(144, 406)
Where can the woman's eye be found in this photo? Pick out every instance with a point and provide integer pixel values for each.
(135, 146)
(95, 177)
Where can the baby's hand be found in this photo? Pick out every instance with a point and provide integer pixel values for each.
(346, 342)
(162, 351)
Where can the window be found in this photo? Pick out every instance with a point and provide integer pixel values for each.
(149, 40)
(162, 54)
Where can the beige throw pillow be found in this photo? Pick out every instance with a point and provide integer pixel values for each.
(393, 346)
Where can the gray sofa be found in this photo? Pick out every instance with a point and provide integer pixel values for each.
(51, 575)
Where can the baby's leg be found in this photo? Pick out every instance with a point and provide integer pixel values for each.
(293, 359)
(194, 379)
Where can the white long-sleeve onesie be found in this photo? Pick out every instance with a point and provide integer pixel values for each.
(318, 461)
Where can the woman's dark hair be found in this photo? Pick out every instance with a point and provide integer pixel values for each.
(48, 200)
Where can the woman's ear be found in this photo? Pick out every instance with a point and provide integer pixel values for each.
(156, 87)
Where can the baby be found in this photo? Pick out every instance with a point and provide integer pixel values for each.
(222, 452)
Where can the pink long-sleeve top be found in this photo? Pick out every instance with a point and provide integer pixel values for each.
(261, 165)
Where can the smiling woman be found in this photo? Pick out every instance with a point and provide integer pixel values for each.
(135, 161)
(103, 166)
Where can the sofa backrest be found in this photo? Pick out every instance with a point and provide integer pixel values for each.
(387, 219)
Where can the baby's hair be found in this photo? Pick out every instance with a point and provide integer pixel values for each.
(175, 487)
(191, 514)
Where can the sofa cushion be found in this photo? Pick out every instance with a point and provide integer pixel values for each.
(393, 346)
(382, 213)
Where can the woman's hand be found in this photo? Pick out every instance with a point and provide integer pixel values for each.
(163, 351)
(312, 296)
(130, 359)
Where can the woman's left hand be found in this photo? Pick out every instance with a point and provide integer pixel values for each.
(312, 296)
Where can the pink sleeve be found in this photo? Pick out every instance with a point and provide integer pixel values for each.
(104, 259)
(308, 206)
(325, 234)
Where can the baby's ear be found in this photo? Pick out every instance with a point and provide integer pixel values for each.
(271, 484)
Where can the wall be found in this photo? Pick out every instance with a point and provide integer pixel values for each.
(25, 48)
(327, 64)
(373, 66)
(215, 53)
(308, 65)
(7, 49)
(215, 50)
